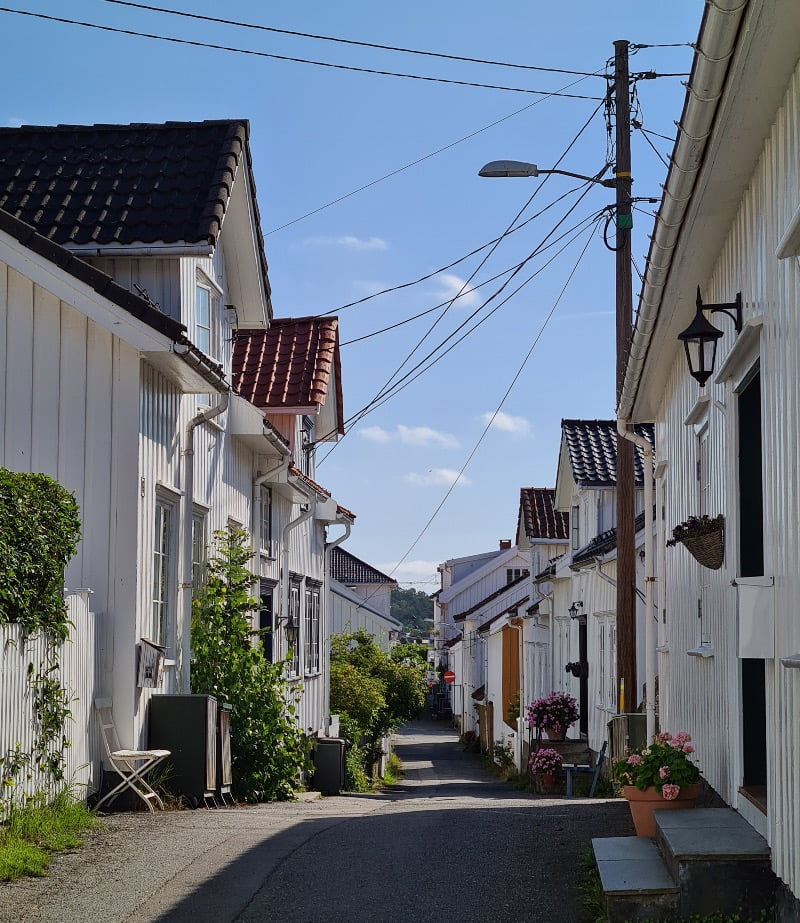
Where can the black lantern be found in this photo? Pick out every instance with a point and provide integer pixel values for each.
(701, 336)
(292, 631)
(576, 610)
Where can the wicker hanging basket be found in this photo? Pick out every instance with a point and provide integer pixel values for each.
(708, 549)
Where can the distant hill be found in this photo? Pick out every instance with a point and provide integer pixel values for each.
(414, 610)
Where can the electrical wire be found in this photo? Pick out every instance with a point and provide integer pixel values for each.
(474, 288)
(508, 230)
(497, 410)
(347, 41)
(295, 60)
(451, 265)
(414, 163)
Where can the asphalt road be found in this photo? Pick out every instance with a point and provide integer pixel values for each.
(449, 842)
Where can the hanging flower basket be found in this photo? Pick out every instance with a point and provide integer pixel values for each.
(704, 538)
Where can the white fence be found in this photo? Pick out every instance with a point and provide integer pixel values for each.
(77, 660)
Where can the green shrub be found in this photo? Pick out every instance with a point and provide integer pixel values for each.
(269, 751)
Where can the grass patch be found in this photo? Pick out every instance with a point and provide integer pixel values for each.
(39, 828)
(394, 769)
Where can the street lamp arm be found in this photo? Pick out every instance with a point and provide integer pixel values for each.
(521, 168)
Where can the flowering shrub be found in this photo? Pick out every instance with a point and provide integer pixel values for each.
(544, 761)
(694, 527)
(557, 710)
(665, 764)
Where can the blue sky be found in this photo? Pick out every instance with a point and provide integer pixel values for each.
(319, 134)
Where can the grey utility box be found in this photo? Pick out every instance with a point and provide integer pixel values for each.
(329, 766)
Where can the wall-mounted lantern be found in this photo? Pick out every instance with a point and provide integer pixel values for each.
(701, 336)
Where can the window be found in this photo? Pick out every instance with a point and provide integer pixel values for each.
(266, 624)
(206, 323)
(514, 573)
(266, 522)
(607, 661)
(307, 446)
(163, 568)
(575, 526)
(311, 627)
(198, 551)
(293, 615)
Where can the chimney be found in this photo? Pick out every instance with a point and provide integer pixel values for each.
(505, 544)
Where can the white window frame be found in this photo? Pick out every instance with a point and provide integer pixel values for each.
(265, 526)
(307, 436)
(164, 562)
(575, 526)
(199, 548)
(311, 619)
(606, 623)
(293, 615)
(209, 342)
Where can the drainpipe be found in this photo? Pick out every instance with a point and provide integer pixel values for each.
(326, 661)
(598, 564)
(649, 578)
(185, 565)
(283, 602)
(272, 474)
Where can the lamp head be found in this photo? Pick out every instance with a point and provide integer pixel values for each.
(509, 168)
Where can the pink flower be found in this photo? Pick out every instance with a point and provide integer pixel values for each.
(663, 772)
(688, 748)
(635, 760)
(670, 792)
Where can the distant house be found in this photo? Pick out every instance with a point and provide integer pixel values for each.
(130, 256)
(583, 623)
(366, 581)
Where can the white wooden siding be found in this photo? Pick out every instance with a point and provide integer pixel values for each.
(158, 277)
(700, 695)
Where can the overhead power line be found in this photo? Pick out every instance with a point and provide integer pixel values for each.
(279, 57)
(349, 41)
(497, 410)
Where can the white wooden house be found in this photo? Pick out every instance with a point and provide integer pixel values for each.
(366, 581)
(729, 639)
(129, 256)
(583, 605)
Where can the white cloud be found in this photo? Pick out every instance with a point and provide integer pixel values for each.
(425, 436)
(349, 241)
(517, 426)
(451, 285)
(14, 122)
(375, 434)
(436, 477)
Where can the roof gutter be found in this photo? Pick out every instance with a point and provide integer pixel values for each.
(201, 249)
(717, 41)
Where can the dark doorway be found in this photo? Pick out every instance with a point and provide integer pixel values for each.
(583, 658)
(266, 624)
(751, 564)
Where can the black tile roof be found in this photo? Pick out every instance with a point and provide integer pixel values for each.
(592, 447)
(122, 184)
(538, 516)
(352, 571)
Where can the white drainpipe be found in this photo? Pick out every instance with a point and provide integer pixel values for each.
(182, 654)
(273, 474)
(649, 578)
(329, 546)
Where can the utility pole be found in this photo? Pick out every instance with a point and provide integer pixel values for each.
(626, 563)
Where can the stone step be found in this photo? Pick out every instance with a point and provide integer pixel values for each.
(718, 860)
(635, 880)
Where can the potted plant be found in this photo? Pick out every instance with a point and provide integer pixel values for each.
(660, 776)
(704, 538)
(577, 668)
(553, 714)
(546, 765)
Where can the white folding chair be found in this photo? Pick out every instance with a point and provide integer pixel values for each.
(130, 765)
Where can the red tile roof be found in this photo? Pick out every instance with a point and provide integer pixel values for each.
(290, 366)
(538, 516)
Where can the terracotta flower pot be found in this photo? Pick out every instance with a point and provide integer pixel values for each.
(556, 733)
(643, 803)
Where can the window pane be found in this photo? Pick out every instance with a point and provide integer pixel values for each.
(203, 321)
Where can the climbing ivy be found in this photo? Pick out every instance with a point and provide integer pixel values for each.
(39, 533)
(268, 750)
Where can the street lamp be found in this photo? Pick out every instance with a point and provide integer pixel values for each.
(521, 168)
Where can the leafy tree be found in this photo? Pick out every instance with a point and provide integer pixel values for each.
(413, 609)
(374, 694)
(268, 749)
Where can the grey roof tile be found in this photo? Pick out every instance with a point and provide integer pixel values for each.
(352, 571)
(592, 447)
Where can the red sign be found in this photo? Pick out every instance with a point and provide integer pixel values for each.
(449, 676)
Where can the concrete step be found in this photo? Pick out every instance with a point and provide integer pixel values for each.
(635, 880)
(717, 859)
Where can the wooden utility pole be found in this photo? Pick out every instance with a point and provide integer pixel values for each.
(626, 564)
